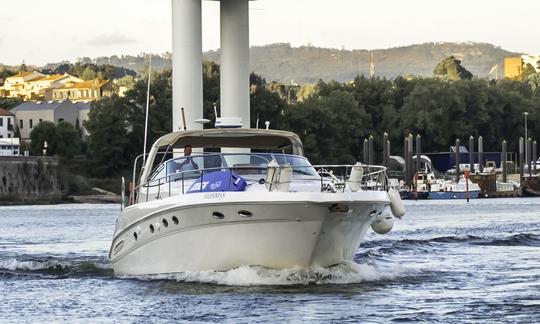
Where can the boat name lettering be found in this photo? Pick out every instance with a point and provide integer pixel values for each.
(214, 195)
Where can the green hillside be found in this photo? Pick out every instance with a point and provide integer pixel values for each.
(307, 64)
(284, 63)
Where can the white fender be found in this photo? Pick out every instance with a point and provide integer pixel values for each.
(285, 176)
(383, 223)
(396, 204)
(355, 178)
(278, 178)
(272, 175)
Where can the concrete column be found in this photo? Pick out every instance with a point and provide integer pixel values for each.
(528, 153)
(406, 160)
(371, 155)
(410, 142)
(387, 143)
(418, 153)
(457, 158)
(365, 150)
(521, 160)
(471, 154)
(234, 80)
(187, 63)
(385, 150)
(503, 161)
(535, 156)
(480, 154)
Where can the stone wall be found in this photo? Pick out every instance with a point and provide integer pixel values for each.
(29, 180)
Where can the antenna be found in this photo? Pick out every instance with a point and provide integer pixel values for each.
(215, 112)
(184, 118)
(147, 106)
(257, 124)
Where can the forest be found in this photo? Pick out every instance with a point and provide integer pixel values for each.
(333, 118)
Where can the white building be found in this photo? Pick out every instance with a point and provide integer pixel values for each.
(29, 114)
(7, 120)
(10, 146)
(20, 85)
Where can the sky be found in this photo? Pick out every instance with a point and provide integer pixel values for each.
(38, 31)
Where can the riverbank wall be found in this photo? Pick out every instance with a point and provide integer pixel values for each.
(31, 180)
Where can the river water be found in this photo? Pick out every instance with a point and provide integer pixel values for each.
(446, 261)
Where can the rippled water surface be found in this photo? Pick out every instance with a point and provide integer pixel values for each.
(446, 261)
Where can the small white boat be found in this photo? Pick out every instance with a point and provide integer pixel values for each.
(269, 208)
(464, 189)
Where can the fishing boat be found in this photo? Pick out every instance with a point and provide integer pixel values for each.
(264, 204)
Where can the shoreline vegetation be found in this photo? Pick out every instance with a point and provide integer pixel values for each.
(332, 118)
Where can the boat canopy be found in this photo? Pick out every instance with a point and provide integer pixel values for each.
(255, 139)
(258, 139)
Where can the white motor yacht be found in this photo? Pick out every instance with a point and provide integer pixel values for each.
(269, 207)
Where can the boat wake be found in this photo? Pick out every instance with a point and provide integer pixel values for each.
(53, 268)
(349, 273)
(522, 239)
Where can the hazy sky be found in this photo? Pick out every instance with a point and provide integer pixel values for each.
(39, 31)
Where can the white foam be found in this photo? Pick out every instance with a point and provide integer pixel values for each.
(348, 273)
(32, 265)
(14, 264)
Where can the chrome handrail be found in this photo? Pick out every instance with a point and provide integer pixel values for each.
(375, 179)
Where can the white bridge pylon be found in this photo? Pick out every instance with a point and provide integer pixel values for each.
(187, 61)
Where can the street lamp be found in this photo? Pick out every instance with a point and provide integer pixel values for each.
(525, 114)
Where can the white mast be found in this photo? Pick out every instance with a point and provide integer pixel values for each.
(147, 106)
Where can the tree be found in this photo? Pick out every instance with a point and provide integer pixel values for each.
(331, 127)
(8, 103)
(69, 142)
(211, 90)
(5, 73)
(128, 82)
(451, 69)
(109, 145)
(528, 70)
(44, 132)
(267, 106)
(88, 74)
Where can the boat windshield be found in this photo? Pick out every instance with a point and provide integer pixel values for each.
(191, 167)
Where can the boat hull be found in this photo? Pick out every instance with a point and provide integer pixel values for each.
(410, 195)
(453, 194)
(274, 233)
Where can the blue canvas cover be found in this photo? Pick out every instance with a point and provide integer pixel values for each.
(218, 181)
